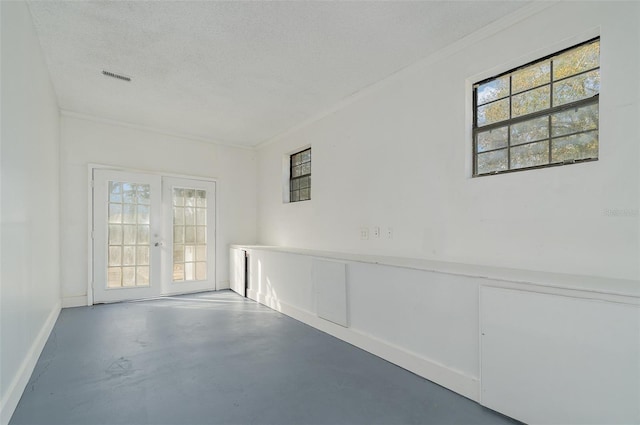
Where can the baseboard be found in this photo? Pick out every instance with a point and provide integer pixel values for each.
(465, 385)
(77, 301)
(21, 379)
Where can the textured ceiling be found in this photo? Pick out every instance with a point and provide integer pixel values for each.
(237, 72)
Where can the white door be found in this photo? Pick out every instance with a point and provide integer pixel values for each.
(152, 235)
(127, 210)
(189, 225)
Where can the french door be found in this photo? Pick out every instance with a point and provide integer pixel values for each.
(152, 235)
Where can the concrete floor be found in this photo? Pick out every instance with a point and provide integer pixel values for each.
(218, 358)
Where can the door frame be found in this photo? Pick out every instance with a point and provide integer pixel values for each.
(90, 218)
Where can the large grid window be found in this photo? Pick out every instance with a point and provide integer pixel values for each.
(542, 114)
(300, 172)
(189, 234)
(128, 256)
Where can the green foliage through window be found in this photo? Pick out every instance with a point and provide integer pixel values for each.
(541, 114)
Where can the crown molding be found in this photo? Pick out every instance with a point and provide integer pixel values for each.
(190, 137)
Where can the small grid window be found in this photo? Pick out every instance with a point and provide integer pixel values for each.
(300, 172)
(542, 114)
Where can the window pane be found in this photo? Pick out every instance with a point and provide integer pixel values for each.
(492, 161)
(129, 193)
(178, 272)
(144, 194)
(128, 276)
(115, 255)
(578, 146)
(493, 112)
(178, 253)
(201, 253)
(201, 216)
(201, 198)
(305, 194)
(178, 234)
(115, 213)
(295, 184)
(492, 139)
(189, 198)
(114, 277)
(190, 235)
(492, 90)
(576, 88)
(129, 256)
(142, 255)
(305, 182)
(189, 253)
(201, 235)
(574, 120)
(305, 155)
(143, 214)
(530, 131)
(581, 59)
(295, 195)
(189, 271)
(143, 235)
(129, 237)
(115, 192)
(530, 155)
(115, 234)
(178, 215)
(178, 197)
(306, 168)
(142, 276)
(296, 159)
(531, 76)
(531, 101)
(129, 213)
(190, 216)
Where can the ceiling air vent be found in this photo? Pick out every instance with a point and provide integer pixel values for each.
(118, 76)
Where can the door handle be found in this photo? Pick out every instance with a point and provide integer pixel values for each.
(158, 244)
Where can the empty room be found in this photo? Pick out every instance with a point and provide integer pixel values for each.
(320, 212)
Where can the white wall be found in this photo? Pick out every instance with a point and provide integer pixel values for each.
(551, 352)
(399, 156)
(86, 141)
(30, 276)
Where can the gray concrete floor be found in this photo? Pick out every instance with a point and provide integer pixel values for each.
(218, 358)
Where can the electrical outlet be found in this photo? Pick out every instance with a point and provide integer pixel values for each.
(376, 231)
(389, 233)
(364, 233)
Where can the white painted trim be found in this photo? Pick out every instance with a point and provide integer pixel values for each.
(449, 50)
(93, 166)
(10, 401)
(75, 301)
(452, 379)
(190, 137)
(90, 236)
(584, 286)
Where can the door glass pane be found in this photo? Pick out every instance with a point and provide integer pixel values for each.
(189, 244)
(128, 242)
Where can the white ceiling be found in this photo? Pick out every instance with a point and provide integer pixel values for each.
(238, 72)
